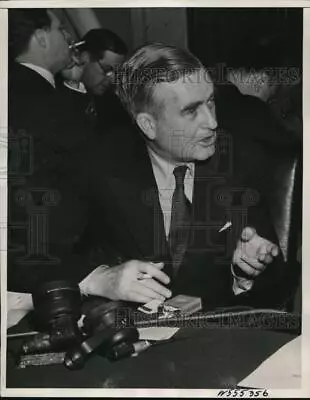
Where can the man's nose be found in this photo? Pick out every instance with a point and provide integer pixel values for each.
(209, 117)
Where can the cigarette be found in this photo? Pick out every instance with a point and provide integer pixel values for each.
(225, 227)
(73, 45)
(144, 275)
(20, 335)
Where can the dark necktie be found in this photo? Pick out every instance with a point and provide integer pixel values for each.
(180, 219)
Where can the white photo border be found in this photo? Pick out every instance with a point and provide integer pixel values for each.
(89, 392)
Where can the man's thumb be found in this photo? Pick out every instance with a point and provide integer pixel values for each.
(247, 234)
(159, 265)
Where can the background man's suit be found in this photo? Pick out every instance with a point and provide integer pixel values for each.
(250, 117)
(45, 144)
(127, 221)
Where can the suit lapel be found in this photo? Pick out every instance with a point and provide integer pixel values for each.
(211, 204)
(141, 206)
(216, 201)
(136, 194)
(29, 81)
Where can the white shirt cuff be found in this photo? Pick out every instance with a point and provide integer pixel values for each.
(87, 281)
(18, 305)
(240, 284)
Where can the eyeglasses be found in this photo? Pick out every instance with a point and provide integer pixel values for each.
(108, 71)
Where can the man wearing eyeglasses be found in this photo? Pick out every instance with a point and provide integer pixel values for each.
(99, 56)
(102, 52)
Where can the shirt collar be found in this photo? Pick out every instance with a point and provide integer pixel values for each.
(163, 169)
(80, 88)
(47, 75)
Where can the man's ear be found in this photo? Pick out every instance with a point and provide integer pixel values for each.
(147, 124)
(40, 35)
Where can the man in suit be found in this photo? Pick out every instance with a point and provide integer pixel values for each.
(45, 142)
(102, 54)
(252, 79)
(90, 80)
(169, 214)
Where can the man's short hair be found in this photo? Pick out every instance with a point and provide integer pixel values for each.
(151, 64)
(97, 41)
(252, 54)
(272, 55)
(22, 25)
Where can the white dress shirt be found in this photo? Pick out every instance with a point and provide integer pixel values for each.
(165, 180)
(76, 86)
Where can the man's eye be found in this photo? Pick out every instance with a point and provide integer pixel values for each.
(211, 102)
(192, 111)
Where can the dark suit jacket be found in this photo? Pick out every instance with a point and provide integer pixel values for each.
(110, 112)
(127, 223)
(80, 104)
(249, 117)
(45, 212)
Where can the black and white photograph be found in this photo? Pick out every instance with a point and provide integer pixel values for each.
(152, 187)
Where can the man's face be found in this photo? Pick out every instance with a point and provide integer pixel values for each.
(186, 123)
(73, 73)
(268, 89)
(57, 49)
(98, 75)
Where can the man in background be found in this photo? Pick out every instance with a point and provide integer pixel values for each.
(259, 75)
(45, 144)
(91, 78)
